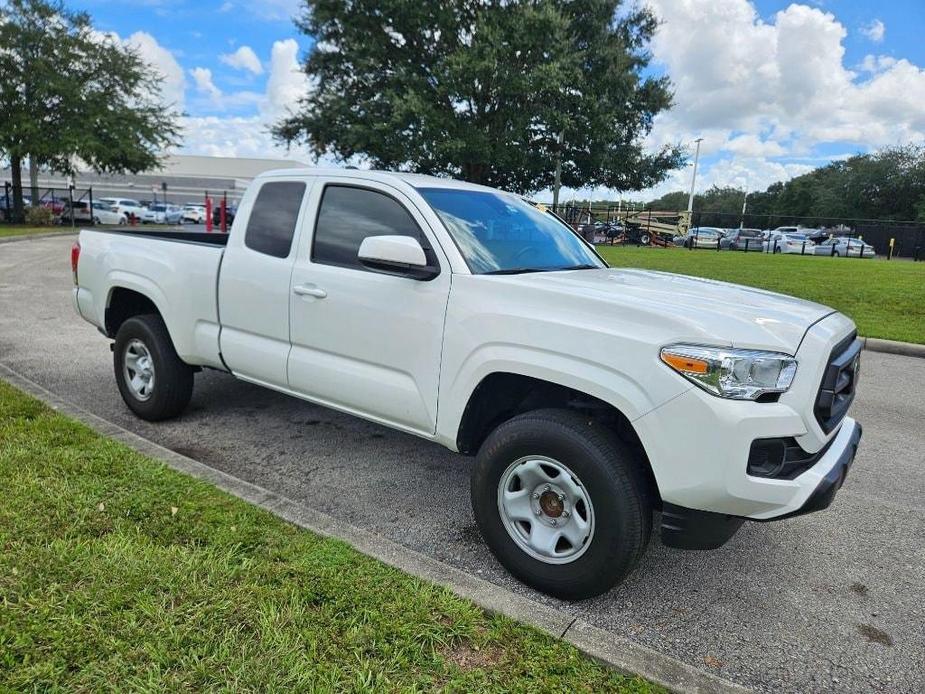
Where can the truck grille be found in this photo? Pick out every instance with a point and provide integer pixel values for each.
(838, 383)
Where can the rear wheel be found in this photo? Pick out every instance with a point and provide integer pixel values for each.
(645, 239)
(153, 381)
(561, 502)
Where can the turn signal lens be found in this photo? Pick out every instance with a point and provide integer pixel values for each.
(740, 374)
(685, 364)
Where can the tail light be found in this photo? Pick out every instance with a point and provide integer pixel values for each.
(75, 257)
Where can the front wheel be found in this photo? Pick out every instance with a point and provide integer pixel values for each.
(561, 502)
(153, 381)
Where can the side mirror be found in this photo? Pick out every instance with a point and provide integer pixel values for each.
(399, 255)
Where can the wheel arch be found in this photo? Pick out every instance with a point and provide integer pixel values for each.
(502, 395)
(124, 302)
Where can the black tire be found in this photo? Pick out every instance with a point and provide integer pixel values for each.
(173, 378)
(610, 473)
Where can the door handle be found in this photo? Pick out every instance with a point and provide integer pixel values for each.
(309, 290)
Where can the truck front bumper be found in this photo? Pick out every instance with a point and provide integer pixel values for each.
(687, 528)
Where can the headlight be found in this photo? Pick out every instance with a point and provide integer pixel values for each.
(740, 374)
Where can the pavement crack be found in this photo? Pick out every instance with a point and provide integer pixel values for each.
(565, 631)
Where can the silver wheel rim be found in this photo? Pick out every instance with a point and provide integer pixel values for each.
(546, 509)
(138, 368)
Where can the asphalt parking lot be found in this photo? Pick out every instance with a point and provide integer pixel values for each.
(833, 601)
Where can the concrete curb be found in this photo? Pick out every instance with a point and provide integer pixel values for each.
(614, 651)
(906, 349)
(43, 235)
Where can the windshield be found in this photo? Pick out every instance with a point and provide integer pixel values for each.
(500, 233)
(797, 237)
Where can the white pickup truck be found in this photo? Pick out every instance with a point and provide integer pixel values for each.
(591, 396)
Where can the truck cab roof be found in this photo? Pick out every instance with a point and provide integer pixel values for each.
(414, 180)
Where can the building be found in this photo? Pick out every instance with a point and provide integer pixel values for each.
(187, 179)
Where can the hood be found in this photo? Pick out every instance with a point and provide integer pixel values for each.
(678, 307)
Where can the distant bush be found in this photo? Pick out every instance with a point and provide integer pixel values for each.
(39, 217)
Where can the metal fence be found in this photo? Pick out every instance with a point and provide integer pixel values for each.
(617, 224)
(60, 201)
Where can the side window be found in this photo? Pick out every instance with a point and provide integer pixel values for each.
(271, 224)
(348, 215)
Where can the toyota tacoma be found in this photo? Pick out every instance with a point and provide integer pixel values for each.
(594, 399)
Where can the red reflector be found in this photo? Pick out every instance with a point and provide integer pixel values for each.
(75, 257)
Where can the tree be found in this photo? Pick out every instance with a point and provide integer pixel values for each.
(69, 93)
(482, 89)
(888, 184)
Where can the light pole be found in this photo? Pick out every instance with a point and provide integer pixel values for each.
(555, 190)
(690, 198)
(744, 207)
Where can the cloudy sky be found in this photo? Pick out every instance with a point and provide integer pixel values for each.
(773, 88)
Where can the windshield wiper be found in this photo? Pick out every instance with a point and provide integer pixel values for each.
(523, 270)
(585, 266)
(518, 270)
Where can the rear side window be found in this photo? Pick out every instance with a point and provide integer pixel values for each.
(271, 225)
(348, 215)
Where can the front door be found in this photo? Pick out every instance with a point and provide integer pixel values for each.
(365, 341)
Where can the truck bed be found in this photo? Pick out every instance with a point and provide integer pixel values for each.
(176, 270)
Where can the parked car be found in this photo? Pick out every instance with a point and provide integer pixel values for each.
(230, 212)
(126, 207)
(102, 213)
(194, 213)
(6, 205)
(844, 246)
(703, 237)
(778, 242)
(56, 205)
(465, 316)
(817, 236)
(167, 214)
(742, 239)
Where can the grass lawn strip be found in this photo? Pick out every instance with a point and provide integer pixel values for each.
(886, 299)
(119, 573)
(17, 230)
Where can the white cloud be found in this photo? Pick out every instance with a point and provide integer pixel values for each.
(875, 31)
(249, 136)
(230, 136)
(243, 59)
(759, 90)
(202, 76)
(286, 82)
(173, 84)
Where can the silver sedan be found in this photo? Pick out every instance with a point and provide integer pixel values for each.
(842, 246)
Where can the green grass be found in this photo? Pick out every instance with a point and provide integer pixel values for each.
(117, 573)
(21, 229)
(886, 299)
